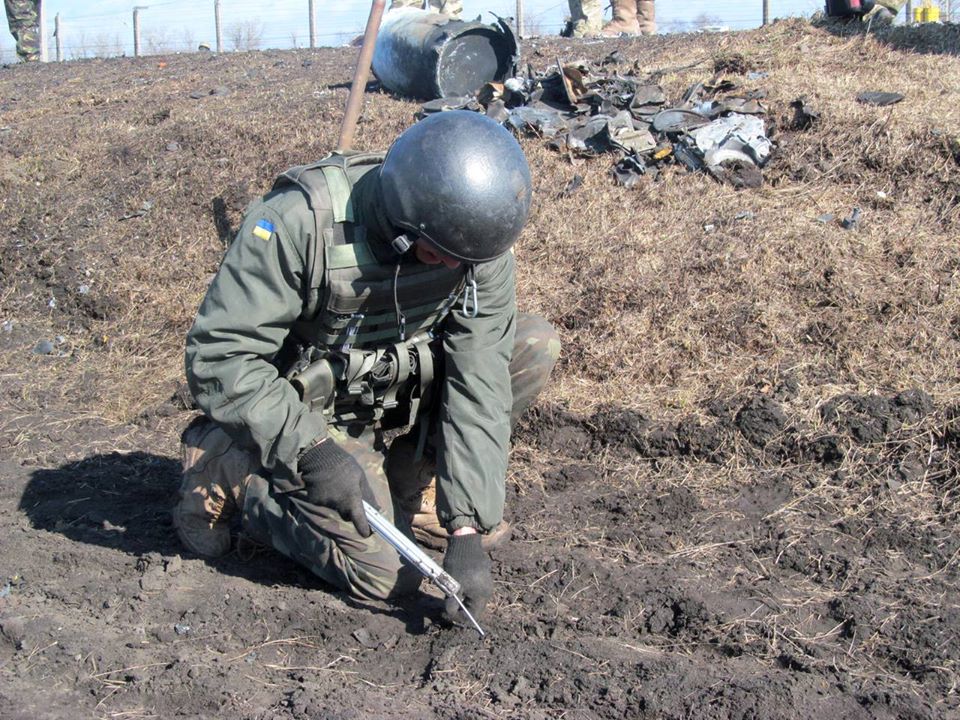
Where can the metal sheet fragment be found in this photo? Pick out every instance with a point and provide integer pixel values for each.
(876, 97)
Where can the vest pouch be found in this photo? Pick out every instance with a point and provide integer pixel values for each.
(316, 385)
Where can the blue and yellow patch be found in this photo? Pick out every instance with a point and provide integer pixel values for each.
(263, 229)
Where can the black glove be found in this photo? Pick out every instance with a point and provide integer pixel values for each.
(470, 565)
(334, 479)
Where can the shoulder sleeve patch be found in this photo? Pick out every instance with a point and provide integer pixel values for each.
(263, 229)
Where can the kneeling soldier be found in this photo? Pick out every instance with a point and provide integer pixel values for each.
(367, 293)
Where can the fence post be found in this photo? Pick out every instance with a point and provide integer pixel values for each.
(520, 19)
(58, 34)
(313, 25)
(43, 33)
(136, 29)
(766, 12)
(216, 20)
(908, 20)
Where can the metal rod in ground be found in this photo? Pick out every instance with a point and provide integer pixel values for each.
(520, 33)
(766, 12)
(313, 24)
(359, 84)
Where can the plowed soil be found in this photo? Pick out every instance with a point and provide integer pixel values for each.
(737, 499)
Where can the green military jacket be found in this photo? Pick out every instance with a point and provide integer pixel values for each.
(234, 354)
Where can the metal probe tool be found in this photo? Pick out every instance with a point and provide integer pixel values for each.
(418, 558)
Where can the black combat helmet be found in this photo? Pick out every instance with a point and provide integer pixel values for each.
(461, 181)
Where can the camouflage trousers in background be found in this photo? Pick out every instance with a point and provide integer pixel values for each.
(586, 17)
(893, 6)
(278, 515)
(454, 8)
(23, 17)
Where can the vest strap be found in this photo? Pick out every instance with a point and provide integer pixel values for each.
(338, 185)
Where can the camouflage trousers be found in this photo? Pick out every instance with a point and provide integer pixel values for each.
(453, 8)
(893, 6)
(277, 514)
(586, 17)
(23, 17)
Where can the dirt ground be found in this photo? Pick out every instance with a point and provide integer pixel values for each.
(737, 499)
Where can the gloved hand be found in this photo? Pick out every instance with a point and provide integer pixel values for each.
(334, 479)
(470, 565)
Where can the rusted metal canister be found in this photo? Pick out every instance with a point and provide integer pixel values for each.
(427, 55)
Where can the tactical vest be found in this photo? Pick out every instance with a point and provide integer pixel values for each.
(367, 348)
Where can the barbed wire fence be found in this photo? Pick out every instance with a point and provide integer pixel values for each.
(181, 26)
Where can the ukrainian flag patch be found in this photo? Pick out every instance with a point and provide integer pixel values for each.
(263, 229)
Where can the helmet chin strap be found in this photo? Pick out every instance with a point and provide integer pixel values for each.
(470, 307)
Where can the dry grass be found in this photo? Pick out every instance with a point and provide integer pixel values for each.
(641, 291)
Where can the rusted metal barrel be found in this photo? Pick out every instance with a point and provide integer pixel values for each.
(427, 55)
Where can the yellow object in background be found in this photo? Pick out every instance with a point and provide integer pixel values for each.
(927, 12)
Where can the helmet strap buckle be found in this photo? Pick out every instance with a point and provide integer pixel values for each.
(401, 243)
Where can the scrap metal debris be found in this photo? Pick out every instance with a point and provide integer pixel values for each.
(730, 148)
(879, 98)
(852, 222)
(576, 182)
(804, 115)
(587, 110)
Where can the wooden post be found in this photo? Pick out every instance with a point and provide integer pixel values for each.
(136, 29)
(359, 85)
(313, 24)
(216, 20)
(766, 12)
(519, 18)
(58, 34)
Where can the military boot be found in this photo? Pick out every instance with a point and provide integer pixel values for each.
(413, 482)
(624, 19)
(215, 476)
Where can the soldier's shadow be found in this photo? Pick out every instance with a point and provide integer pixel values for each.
(123, 501)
